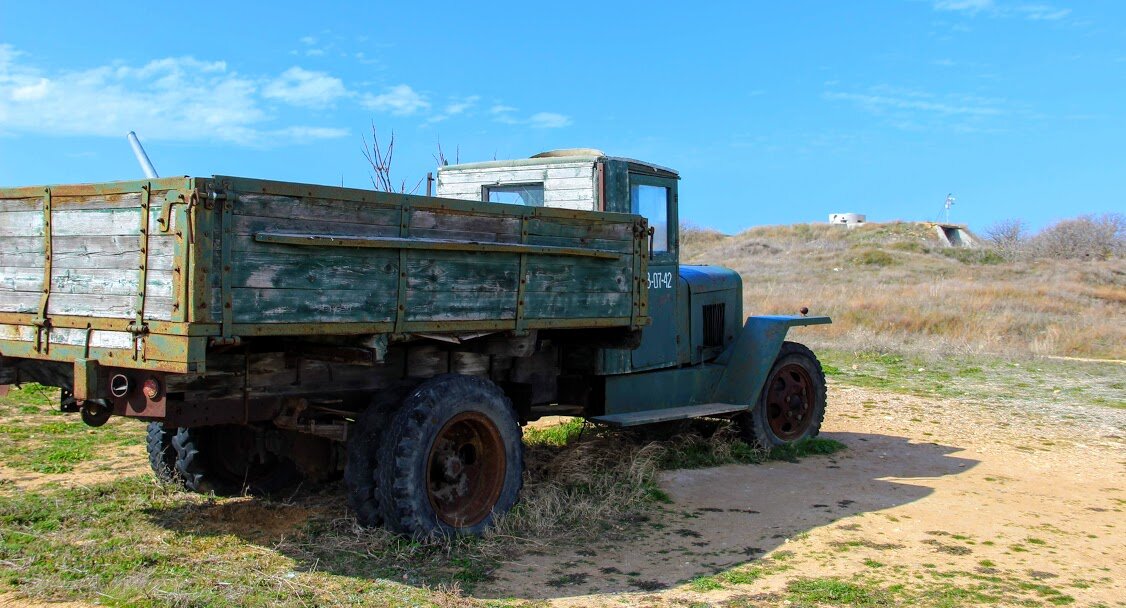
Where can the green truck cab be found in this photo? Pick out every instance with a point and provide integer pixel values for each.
(274, 331)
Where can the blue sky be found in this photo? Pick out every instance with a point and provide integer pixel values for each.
(773, 112)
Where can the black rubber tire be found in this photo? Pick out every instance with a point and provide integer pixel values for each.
(754, 426)
(214, 460)
(404, 453)
(361, 467)
(162, 454)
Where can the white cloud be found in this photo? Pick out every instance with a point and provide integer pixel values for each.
(549, 120)
(31, 92)
(455, 108)
(300, 87)
(949, 107)
(540, 120)
(400, 100)
(1043, 12)
(175, 98)
(972, 7)
(913, 110)
(1033, 12)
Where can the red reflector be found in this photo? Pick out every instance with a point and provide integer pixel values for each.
(151, 389)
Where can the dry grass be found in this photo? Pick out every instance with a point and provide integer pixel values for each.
(894, 287)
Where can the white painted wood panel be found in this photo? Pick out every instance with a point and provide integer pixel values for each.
(494, 176)
(566, 186)
(83, 222)
(20, 279)
(76, 337)
(21, 204)
(21, 223)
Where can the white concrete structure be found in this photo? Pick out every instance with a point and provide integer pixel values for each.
(850, 220)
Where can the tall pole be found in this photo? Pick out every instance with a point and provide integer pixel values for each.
(142, 158)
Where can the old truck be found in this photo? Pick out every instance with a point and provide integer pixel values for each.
(272, 331)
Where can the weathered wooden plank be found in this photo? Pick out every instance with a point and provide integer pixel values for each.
(86, 222)
(444, 272)
(570, 183)
(327, 210)
(21, 279)
(425, 306)
(620, 231)
(21, 223)
(248, 225)
(311, 305)
(585, 170)
(81, 216)
(279, 266)
(76, 337)
(20, 204)
(570, 305)
(469, 193)
(584, 243)
(569, 195)
(493, 176)
(465, 235)
(447, 272)
(460, 222)
(131, 200)
(112, 252)
(86, 305)
(20, 301)
(110, 282)
(547, 275)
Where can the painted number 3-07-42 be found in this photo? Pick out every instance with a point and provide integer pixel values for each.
(660, 280)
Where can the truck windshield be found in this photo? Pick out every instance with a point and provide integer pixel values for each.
(530, 195)
(652, 202)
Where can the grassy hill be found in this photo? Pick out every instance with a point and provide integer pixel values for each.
(895, 287)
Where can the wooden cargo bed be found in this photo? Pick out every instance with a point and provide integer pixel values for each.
(225, 258)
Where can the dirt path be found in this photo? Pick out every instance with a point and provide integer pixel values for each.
(942, 497)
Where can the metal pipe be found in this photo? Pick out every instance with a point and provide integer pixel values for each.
(142, 158)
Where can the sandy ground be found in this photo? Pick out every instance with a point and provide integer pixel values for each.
(924, 487)
(1031, 494)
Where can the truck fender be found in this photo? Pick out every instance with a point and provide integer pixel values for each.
(748, 360)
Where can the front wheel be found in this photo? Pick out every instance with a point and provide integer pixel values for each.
(452, 458)
(792, 404)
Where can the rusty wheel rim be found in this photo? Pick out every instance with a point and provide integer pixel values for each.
(465, 470)
(789, 402)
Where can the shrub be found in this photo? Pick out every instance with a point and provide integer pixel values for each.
(873, 257)
(1086, 237)
(1007, 237)
(975, 256)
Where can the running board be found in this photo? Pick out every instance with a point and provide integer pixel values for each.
(667, 414)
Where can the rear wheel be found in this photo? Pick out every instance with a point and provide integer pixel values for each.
(162, 455)
(229, 460)
(452, 458)
(792, 404)
(361, 469)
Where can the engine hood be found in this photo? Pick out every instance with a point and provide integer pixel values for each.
(702, 279)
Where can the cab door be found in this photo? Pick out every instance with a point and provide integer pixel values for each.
(655, 198)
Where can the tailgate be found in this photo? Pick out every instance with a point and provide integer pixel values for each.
(96, 272)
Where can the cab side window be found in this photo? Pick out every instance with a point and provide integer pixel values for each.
(529, 195)
(653, 203)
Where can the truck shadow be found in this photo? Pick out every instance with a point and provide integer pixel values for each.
(718, 519)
